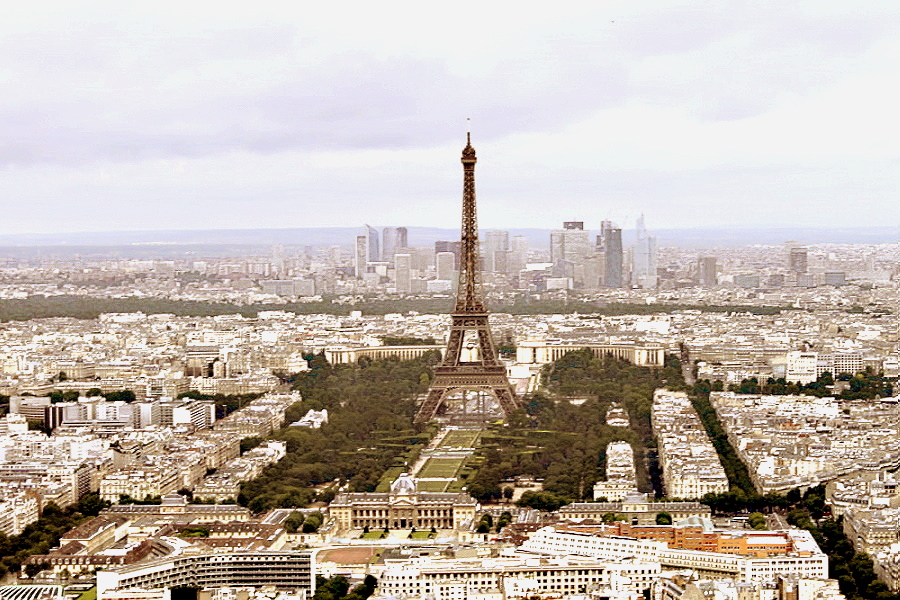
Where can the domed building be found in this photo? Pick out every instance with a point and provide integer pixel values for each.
(404, 507)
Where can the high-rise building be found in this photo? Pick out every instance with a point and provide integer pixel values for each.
(496, 246)
(557, 247)
(518, 253)
(569, 246)
(644, 271)
(798, 258)
(373, 245)
(278, 261)
(444, 265)
(611, 242)
(392, 238)
(448, 246)
(388, 243)
(706, 271)
(360, 256)
(403, 272)
(592, 273)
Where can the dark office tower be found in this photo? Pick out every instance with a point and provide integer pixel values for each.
(373, 246)
(706, 271)
(611, 237)
(402, 237)
(470, 363)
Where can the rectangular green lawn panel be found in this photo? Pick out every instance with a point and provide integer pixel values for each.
(421, 535)
(441, 467)
(460, 439)
(433, 486)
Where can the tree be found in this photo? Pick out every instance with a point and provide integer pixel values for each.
(334, 588)
(756, 520)
(370, 428)
(312, 522)
(90, 504)
(123, 395)
(541, 501)
(663, 518)
(293, 522)
(32, 569)
(251, 442)
(38, 425)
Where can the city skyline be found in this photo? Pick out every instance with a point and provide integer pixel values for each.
(153, 118)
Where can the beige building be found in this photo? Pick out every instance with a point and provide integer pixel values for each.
(872, 531)
(542, 353)
(140, 482)
(621, 479)
(637, 508)
(404, 507)
(18, 510)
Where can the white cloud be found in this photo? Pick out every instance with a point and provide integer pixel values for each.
(207, 114)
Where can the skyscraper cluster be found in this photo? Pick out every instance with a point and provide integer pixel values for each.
(604, 264)
(578, 260)
(372, 248)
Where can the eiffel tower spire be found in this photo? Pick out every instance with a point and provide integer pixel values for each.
(468, 293)
(482, 371)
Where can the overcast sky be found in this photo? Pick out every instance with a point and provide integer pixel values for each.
(194, 115)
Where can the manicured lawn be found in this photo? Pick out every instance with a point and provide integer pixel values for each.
(90, 594)
(433, 486)
(441, 467)
(373, 535)
(421, 535)
(460, 439)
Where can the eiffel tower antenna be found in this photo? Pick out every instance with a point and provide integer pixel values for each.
(481, 371)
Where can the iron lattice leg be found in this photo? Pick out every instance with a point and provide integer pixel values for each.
(430, 407)
(507, 400)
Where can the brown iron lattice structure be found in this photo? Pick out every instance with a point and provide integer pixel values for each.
(485, 374)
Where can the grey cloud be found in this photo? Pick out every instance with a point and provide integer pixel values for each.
(351, 100)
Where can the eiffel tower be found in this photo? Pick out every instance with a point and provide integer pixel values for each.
(482, 372)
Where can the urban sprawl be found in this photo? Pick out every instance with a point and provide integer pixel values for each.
(150, 403)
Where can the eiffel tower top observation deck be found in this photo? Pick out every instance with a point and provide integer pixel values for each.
(470, 363)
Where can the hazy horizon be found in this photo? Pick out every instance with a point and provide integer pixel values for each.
(184, 239)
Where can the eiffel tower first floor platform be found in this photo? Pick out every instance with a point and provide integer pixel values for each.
(461, 378)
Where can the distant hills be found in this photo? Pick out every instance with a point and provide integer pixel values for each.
(218, 241)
